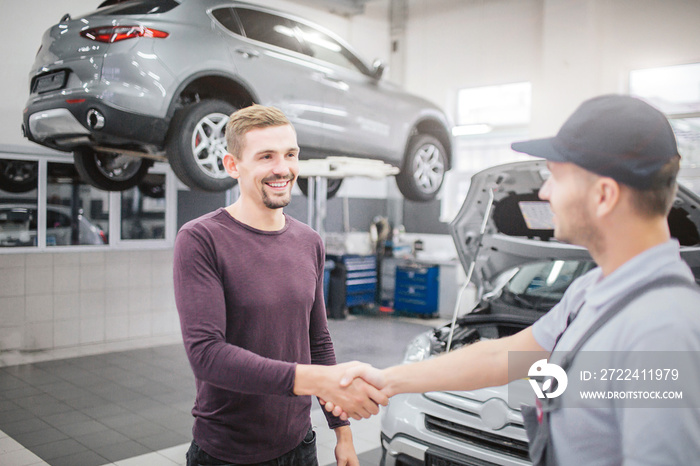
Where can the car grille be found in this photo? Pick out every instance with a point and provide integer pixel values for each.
(479, 438)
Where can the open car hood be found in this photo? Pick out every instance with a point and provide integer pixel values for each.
(503, 202)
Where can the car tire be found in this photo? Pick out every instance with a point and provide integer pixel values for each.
(109, 172)
(18, 176)
(194, 130)
(423, 169)
(332, 189)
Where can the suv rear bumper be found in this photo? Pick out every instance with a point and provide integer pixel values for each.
(63, 125)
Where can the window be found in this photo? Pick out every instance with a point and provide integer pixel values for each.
(675, 90)
(489, 119)
(228, 19)
(76, 213)
(482, 110)
(18, 202)
(324, 47)
(144, 7)
(268, 28)
(71, 213)
(143, 209)
(18, 176)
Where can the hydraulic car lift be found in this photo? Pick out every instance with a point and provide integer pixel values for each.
(318, 171)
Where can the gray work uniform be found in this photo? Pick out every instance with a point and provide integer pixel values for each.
(666, 319)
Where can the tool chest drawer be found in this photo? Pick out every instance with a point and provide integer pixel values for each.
(417, 289)
(353, 282)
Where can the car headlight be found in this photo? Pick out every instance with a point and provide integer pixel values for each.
(418, 349)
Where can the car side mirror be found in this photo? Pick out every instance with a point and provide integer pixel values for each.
(378, 67)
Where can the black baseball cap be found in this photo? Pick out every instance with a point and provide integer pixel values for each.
(617, 136)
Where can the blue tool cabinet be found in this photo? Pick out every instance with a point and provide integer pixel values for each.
(417, 289)
(353, 283)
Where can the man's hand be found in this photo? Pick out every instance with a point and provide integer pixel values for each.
(369, 374)
(359, 399)
(345, 454)
(364, 372)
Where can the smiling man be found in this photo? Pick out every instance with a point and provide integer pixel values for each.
(249, 291)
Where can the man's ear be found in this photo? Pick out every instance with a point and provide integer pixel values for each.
(607, 193)
(231, 166)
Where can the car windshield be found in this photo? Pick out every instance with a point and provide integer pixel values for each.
(541, 285)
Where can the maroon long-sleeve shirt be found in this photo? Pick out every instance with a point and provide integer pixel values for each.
(251, 307)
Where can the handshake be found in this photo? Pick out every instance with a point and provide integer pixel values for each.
(349, 390)
(356, 389)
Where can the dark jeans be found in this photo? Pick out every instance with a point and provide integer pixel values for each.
(303, 455)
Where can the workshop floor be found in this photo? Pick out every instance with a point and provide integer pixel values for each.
(131, 407)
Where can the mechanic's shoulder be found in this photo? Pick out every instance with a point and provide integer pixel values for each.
(584, 282)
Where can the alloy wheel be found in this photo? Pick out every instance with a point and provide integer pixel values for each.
(209, 144)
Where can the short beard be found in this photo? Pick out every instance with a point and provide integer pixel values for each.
(582, 232)
(277, 202)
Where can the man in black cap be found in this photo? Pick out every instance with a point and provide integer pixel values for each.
(613, 171)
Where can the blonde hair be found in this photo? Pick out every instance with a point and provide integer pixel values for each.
(248, 118)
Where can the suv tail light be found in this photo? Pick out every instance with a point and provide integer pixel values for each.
(111, 34)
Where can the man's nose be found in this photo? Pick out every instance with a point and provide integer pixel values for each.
(281, 167)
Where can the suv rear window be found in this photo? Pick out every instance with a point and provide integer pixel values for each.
(227, 19)
(269, 28)
(134, 7)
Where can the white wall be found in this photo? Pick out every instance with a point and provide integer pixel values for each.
(452, 44)
(569, 49)
(73, 299)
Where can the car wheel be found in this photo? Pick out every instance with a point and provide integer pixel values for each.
(331, 190)
(109, 172)
(423, 169)
(18, 176)
(197, 144)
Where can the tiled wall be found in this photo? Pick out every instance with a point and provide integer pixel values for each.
(66, 299)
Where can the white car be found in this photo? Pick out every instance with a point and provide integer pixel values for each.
(18, 226)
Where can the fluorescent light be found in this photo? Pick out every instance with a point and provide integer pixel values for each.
(554, 274)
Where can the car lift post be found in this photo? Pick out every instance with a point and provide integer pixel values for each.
(318, 171)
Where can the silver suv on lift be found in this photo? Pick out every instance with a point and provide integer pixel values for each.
(143, 80)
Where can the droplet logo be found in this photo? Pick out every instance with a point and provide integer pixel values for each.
(541, 369)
